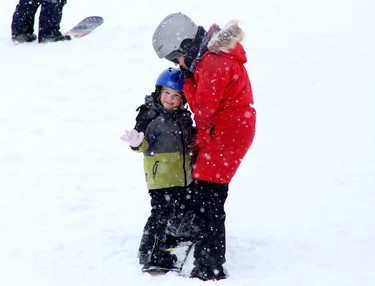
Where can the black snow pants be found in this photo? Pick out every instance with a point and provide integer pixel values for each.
(209, 199)
(165, 205)
(49, 18)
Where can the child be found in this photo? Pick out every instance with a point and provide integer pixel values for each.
(163, 133)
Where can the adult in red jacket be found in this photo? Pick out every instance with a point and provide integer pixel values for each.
(219, 94)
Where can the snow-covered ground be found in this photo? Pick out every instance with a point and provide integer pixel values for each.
(300, 212)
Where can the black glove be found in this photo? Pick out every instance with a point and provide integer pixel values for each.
(187, 73)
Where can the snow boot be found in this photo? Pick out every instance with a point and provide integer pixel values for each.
(205, 273)
(23, 38)
(55, 38)
(159, 258)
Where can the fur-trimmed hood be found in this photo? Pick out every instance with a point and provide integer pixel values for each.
(225, 39)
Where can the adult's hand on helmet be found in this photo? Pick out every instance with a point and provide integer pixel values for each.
(133, 137)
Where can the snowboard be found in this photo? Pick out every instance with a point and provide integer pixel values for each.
(182, 251)
(85, 26)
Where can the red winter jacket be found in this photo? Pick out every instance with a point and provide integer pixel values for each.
(221, 99)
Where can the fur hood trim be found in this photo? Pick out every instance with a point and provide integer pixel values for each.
(227, 38)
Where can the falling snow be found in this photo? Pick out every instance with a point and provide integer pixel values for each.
(300, 209)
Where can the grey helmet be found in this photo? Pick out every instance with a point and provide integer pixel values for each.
(170, 33)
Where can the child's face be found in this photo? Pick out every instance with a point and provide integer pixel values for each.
(170, 98)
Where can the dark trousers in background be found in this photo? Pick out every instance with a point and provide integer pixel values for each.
(49, 19)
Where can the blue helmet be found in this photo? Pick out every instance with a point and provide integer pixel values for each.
(172, 78)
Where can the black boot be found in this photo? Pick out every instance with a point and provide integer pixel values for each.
(207, 273)
(159, 258)
(23, 38)
(55, 38)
